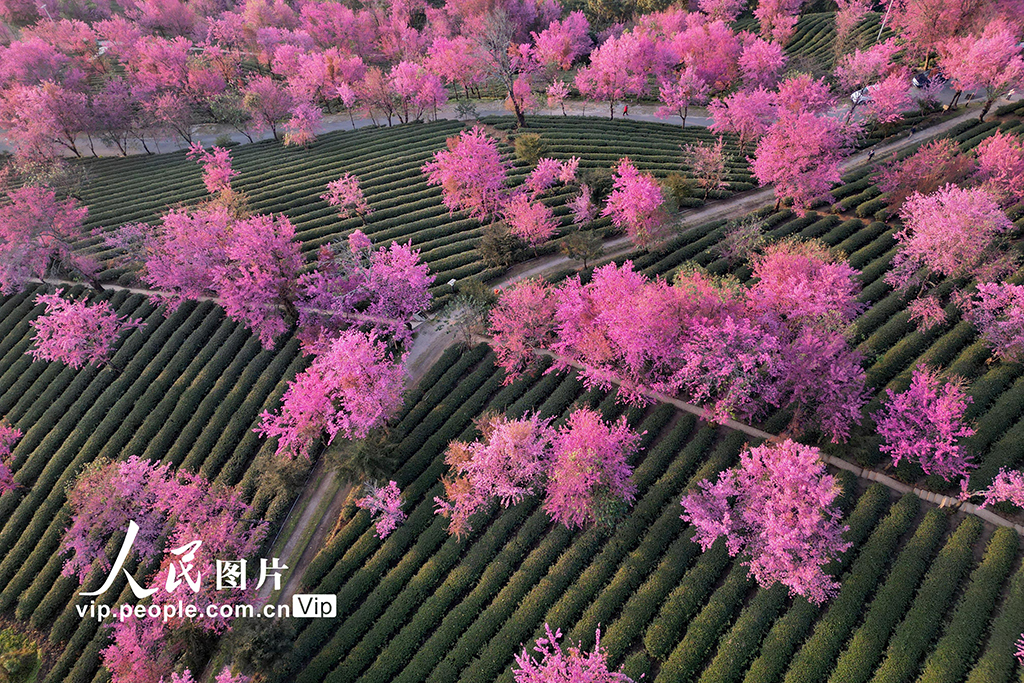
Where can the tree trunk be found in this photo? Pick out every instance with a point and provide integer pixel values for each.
(611, 110)
(984, 110)
(520, 118)
(778, 203)
(849, 115)
(686, 111)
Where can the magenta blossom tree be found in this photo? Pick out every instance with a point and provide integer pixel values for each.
(257, 280)
(8, 435)
(800, 155)
(347, 196)
(950, 233)
(761, 63)
(778, 508)
(37, 230)
(590, 475)
(385, 506)
(1001, 167)
(925, 424)
(565, 666)
(507, 464)
(636, 204)
(470, 172)
(997, 310)
(991, 62)
(708, 165)
(531, 221)
(350, 388)
(747, 113)
(77, 332)
(677, 94)
(217, 171)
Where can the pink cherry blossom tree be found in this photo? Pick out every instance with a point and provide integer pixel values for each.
(351, 387)
(77, 332)
(677, 94)
(724, 10)
(507, 464)
(747, 113)
(582, 206)
(931, 167)
(302, 127)
(761, 63)
(927, 312)
(346, 194)
(565, 666)
(949, 233)
(268, 102)
(991, 61)
(848, 16)
(521, 321)
(8, 435)
(801, 281)
(417, 90)
(618, 67)
(778, 18)
(708, 165)
(385, 506)
(800, 155)
(1006, 487)
(557, 92)
(558, 45)
(183, 257)
(217, 171)
(924, 424)
(1001, 166)
(590, 477)
(636, 204)
(470, 172)
(257, 279)
(36, 232)
(997, 310)
(357, 285)
(531, 221)
(890, 98)
(778, 508)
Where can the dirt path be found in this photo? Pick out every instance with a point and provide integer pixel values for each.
(732, 208)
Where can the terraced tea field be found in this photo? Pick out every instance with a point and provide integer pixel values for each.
(387, 161)
(189, 391)
(425, 607)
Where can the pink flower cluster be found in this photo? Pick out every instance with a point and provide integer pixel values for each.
(636, 204)
(777, 506)
(924, 424)
(352, 386)
(949, 232)
(8, 435)
(346, 194)
(997, 309)
(565, 666)
(385, 506)
(736, 350)
(582, 466)
(76, 332)
(217, 171)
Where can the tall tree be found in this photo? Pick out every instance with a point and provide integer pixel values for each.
(77, 332)
(925, 423)
(778, 507)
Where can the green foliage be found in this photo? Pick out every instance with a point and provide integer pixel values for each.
(530, 147)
